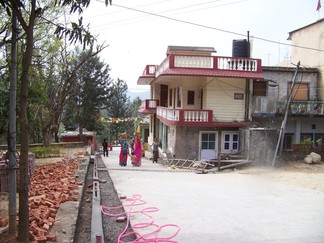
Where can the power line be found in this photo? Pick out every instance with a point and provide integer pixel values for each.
(175, 9)
(214, 28)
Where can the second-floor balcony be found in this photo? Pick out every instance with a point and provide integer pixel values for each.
(185, 117)
(148, 106)
(217, 66)
(300, 108)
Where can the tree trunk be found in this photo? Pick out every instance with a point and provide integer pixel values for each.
(23, 227)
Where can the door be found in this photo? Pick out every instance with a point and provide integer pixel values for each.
(230, 144)
(208, 146)
(164, 95)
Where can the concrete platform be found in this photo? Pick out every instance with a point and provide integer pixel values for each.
(223, 207)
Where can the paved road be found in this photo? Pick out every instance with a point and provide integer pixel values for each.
(222, 207)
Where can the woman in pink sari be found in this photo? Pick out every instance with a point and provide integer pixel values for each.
(137, 150)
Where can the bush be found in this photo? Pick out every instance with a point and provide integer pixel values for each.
(45, 152)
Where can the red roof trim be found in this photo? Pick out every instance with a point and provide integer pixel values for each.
(212, 73)
(147, 111)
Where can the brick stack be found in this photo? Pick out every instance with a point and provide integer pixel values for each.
(51, 185)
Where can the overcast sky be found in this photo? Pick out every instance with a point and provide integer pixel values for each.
(138, 32)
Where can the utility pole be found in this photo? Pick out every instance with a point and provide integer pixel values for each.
(12, 166)
(283, 125)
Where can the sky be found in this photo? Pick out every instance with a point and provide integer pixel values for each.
(138, 32)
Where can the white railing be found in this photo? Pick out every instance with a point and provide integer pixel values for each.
(149, 104)
(195, 116)
(149, 70)
(185, 116)
(164, 65)
(169, 114)
(193, 61)
(237, 63)
(209, 62)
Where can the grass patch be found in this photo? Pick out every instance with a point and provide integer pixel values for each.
(45, 152)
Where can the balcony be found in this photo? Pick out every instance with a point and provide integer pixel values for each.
(305, 108)
(148, 74)
(184, 117)
(148, 106)
(210, 66)
(266, 107)
(217, 66)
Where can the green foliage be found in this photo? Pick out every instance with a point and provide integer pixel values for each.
(91, 94)
(118, 107)
(45, 152)
(307, 141)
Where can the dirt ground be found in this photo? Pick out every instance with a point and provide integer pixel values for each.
(293, 172)
(67, 227)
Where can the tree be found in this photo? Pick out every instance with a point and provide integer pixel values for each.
(134, 106)
(28, 14)
(91, 94)
(117, 107)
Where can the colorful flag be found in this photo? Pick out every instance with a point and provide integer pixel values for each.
(318, 5)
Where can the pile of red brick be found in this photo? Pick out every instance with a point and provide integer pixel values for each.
(51, 185)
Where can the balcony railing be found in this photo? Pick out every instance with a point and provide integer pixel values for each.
(149, 70)
(306, 107)
(296, 107)
(210, 63)
(149, 106)
(185, 117)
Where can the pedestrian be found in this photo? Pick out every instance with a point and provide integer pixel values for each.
(124, 150)
(132, 147)
(137, 161)
(105, 147)
(155, 149)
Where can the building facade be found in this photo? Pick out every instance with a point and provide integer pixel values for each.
(305, 111)
(199, 101)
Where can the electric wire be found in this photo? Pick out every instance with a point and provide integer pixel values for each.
(214, 28)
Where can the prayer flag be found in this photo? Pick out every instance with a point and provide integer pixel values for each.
(318, 5)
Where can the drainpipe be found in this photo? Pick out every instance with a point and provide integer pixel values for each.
(247, 99)
(247, 84)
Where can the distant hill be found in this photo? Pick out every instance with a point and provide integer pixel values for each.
(143, 95)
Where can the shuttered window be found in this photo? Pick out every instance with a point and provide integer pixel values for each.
(259, 88)
(300, 91)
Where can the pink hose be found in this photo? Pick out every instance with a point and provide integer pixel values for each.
(152, 236)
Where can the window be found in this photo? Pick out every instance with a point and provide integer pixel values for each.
(208, 141)
(179, 94)
(170, 97)
(288, 140)
(300, 91)
(259, 88)
(230, 142)
(191, 97)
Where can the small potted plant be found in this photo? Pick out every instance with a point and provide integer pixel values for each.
(307, 144)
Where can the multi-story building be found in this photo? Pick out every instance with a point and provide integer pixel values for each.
(199, 101)
(305, 111)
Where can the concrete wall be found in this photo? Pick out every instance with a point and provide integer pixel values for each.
(259, 144)
(310, 36)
